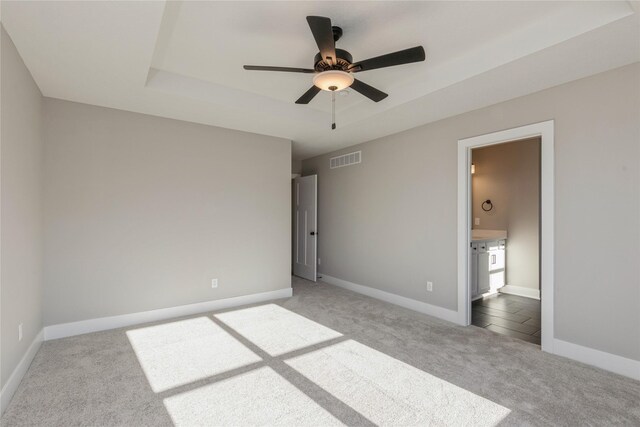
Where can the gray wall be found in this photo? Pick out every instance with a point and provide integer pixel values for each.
(296, 166)
(509, 175)
(21, 243)
(390, 222)
(142, 212)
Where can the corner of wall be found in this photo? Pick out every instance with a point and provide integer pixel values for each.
(22, 234)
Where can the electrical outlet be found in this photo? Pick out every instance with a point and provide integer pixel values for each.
(214, 283)
(20, 332)
(477, 221)
(429, 286)
(319, 261)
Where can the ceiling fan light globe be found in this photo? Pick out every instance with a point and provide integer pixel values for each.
(333, 78)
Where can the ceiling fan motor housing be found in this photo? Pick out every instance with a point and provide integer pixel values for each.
(333, 68)
(344, 59)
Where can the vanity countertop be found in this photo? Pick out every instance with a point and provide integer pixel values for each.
(484, 235)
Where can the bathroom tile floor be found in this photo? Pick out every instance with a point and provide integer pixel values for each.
(510, 315)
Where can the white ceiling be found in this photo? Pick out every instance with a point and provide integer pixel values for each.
(184, 60)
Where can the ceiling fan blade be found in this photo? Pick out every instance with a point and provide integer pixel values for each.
(369, 91)
(308, 95)
(323, 33)
(407, 56)
(286, 69)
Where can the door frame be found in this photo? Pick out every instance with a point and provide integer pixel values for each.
(544, 130)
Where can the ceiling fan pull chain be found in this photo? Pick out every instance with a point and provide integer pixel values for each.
(333, 109)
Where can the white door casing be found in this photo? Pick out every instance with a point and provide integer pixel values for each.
(544, 130)
(305, 217)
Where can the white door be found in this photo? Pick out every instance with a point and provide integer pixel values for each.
(306, 199)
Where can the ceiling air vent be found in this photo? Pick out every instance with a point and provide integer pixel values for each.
(345, 160)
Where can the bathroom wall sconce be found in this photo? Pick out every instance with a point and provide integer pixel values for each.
(473, 168)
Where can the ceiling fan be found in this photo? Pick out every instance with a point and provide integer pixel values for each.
(334, 68)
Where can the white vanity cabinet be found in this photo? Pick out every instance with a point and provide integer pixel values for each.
(487, 266)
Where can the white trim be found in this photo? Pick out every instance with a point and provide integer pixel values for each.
(545, 130)
(14, 380)
(520, 291)
(113, 322)
(607, 361)
(411, 304)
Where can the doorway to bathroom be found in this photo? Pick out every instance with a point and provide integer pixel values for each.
(505, 239)
(505, 233)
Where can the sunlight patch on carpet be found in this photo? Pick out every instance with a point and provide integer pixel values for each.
(275, 329)
(258, 397)
(178, 353)
(390, 392)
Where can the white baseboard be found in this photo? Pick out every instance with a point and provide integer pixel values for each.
(607, 361)
(520, 291)
(412, 304)
(600, 359)
(113, 322)
(14, 380)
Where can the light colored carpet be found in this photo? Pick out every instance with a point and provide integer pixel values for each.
(275, 329)
(181, 352)
(258, 397)
(326, 356)
(389, 392)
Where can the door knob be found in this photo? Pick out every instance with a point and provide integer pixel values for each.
(313, 233)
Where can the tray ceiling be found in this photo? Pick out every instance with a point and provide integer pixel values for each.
(184, 60)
